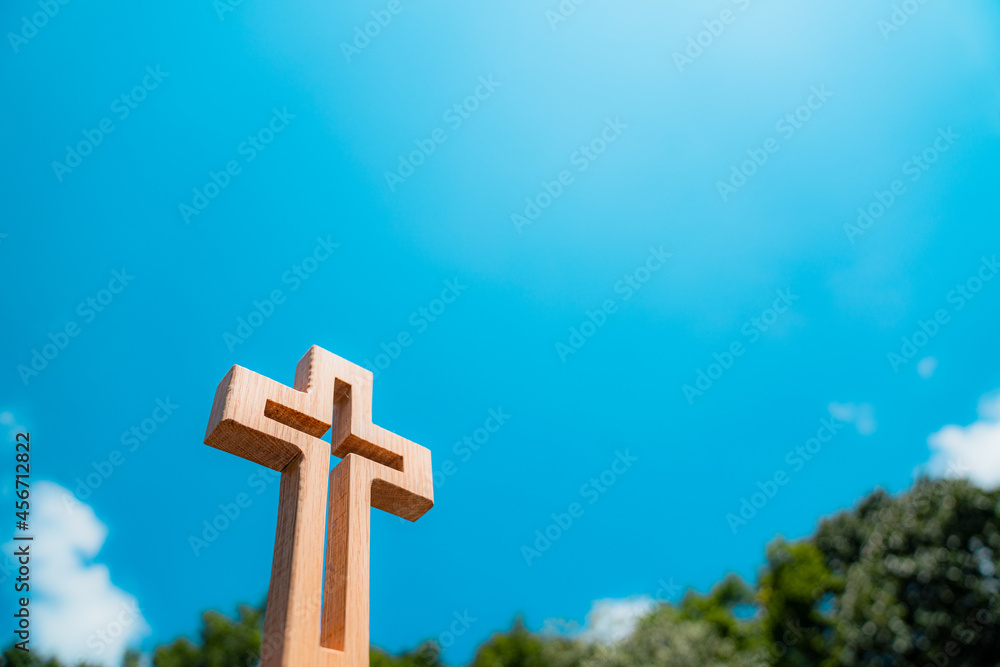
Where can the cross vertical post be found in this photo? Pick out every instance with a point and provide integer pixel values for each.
(317, 613)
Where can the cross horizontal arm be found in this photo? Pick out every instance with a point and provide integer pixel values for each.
(264, 421)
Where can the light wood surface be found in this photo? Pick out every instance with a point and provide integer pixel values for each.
(317, 613)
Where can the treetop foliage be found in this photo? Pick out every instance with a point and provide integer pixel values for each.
(904, 581)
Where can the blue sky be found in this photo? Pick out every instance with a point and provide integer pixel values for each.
(583, 152)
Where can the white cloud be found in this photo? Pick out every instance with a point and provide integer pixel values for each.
(862, 416)
(969, 451)
(926, 367)
(608, 621)
(78, 613)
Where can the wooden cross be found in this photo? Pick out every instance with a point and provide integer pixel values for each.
(281, 427)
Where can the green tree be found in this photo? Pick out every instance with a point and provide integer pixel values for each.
(425, 655)
(14, 657)
(702, 630)
(920, 577)
(515, 648)
(225, 642)
(236, 642)
(796, 590)
(905, 581)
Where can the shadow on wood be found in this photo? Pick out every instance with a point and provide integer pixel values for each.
(281, 427)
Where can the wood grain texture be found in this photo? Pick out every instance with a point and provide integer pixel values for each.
(317, 613)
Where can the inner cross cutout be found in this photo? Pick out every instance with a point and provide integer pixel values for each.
(281, 427)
